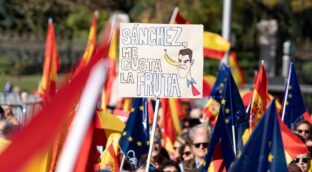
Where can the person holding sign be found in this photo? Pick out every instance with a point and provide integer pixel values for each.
(184, 65)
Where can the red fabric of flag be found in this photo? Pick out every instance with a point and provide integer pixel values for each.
(46, 125)
(292, 144)
(47, 88)
(167, 125)
(259, 98)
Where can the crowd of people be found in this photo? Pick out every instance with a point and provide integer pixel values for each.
(191, 147)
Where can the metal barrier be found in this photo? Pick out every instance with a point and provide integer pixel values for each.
(23, 111)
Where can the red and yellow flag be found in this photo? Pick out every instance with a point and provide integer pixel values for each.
(91, 44)
(171, 110)
(211, 111)
(293, 146)
(46, 125)
(236, 70)
(259, 98)
(208, 82)
(215, 46)
(111, 73)
(109, 159)
(58, 144)
(177, 18)
(47, 86)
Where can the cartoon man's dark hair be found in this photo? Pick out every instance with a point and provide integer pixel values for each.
(186, 51)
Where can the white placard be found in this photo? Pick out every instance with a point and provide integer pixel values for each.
(160, 60)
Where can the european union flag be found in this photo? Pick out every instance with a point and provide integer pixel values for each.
(233, 111)
(134, 141)
(219, 86)
(293, 106)
(264, 150)
(220, 148)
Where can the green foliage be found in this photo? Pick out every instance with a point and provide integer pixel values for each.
(211, 67)
(306, 72)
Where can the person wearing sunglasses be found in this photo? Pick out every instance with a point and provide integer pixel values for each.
(303, 161)
(200, 136)
(303, 129)
(188, 162)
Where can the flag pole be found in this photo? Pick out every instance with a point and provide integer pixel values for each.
(174, 14)
(226, 26)
(83, 118)
(286, 92)
(233, 125)
(152, 135)
(122, 162)
(234, 140)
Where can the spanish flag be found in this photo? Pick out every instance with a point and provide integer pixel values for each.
(47, 86)
(44, 127)
(48, 122)
(111, 73)
(236, 69)
(177, 18)
(259, 98)
(171, 110)
(215, 46)
(57, 147)
(293, 146)
(109, 159)
(91, 44)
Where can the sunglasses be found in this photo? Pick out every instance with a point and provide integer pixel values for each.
(187, 153)
(204, 145)
(304, 160)
(305, 131)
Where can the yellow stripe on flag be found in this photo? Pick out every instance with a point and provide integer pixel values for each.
(107, 161)
(91, 41)
(112, 52)
(215, 42)
(39, 163)
(257, 109)
(175, 116)
(111, 122)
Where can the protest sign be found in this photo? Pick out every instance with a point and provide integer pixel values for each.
(160, 60)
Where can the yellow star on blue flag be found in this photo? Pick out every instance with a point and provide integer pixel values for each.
(293, 108)
(233, 111)
(218, 88)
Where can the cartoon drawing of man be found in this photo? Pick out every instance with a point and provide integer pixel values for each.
(184, 66)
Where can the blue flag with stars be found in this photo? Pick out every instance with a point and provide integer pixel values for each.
(134, 141)
(220, 148)
(293, 106)
(219, 86)
(264, 150)
(233, 111)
